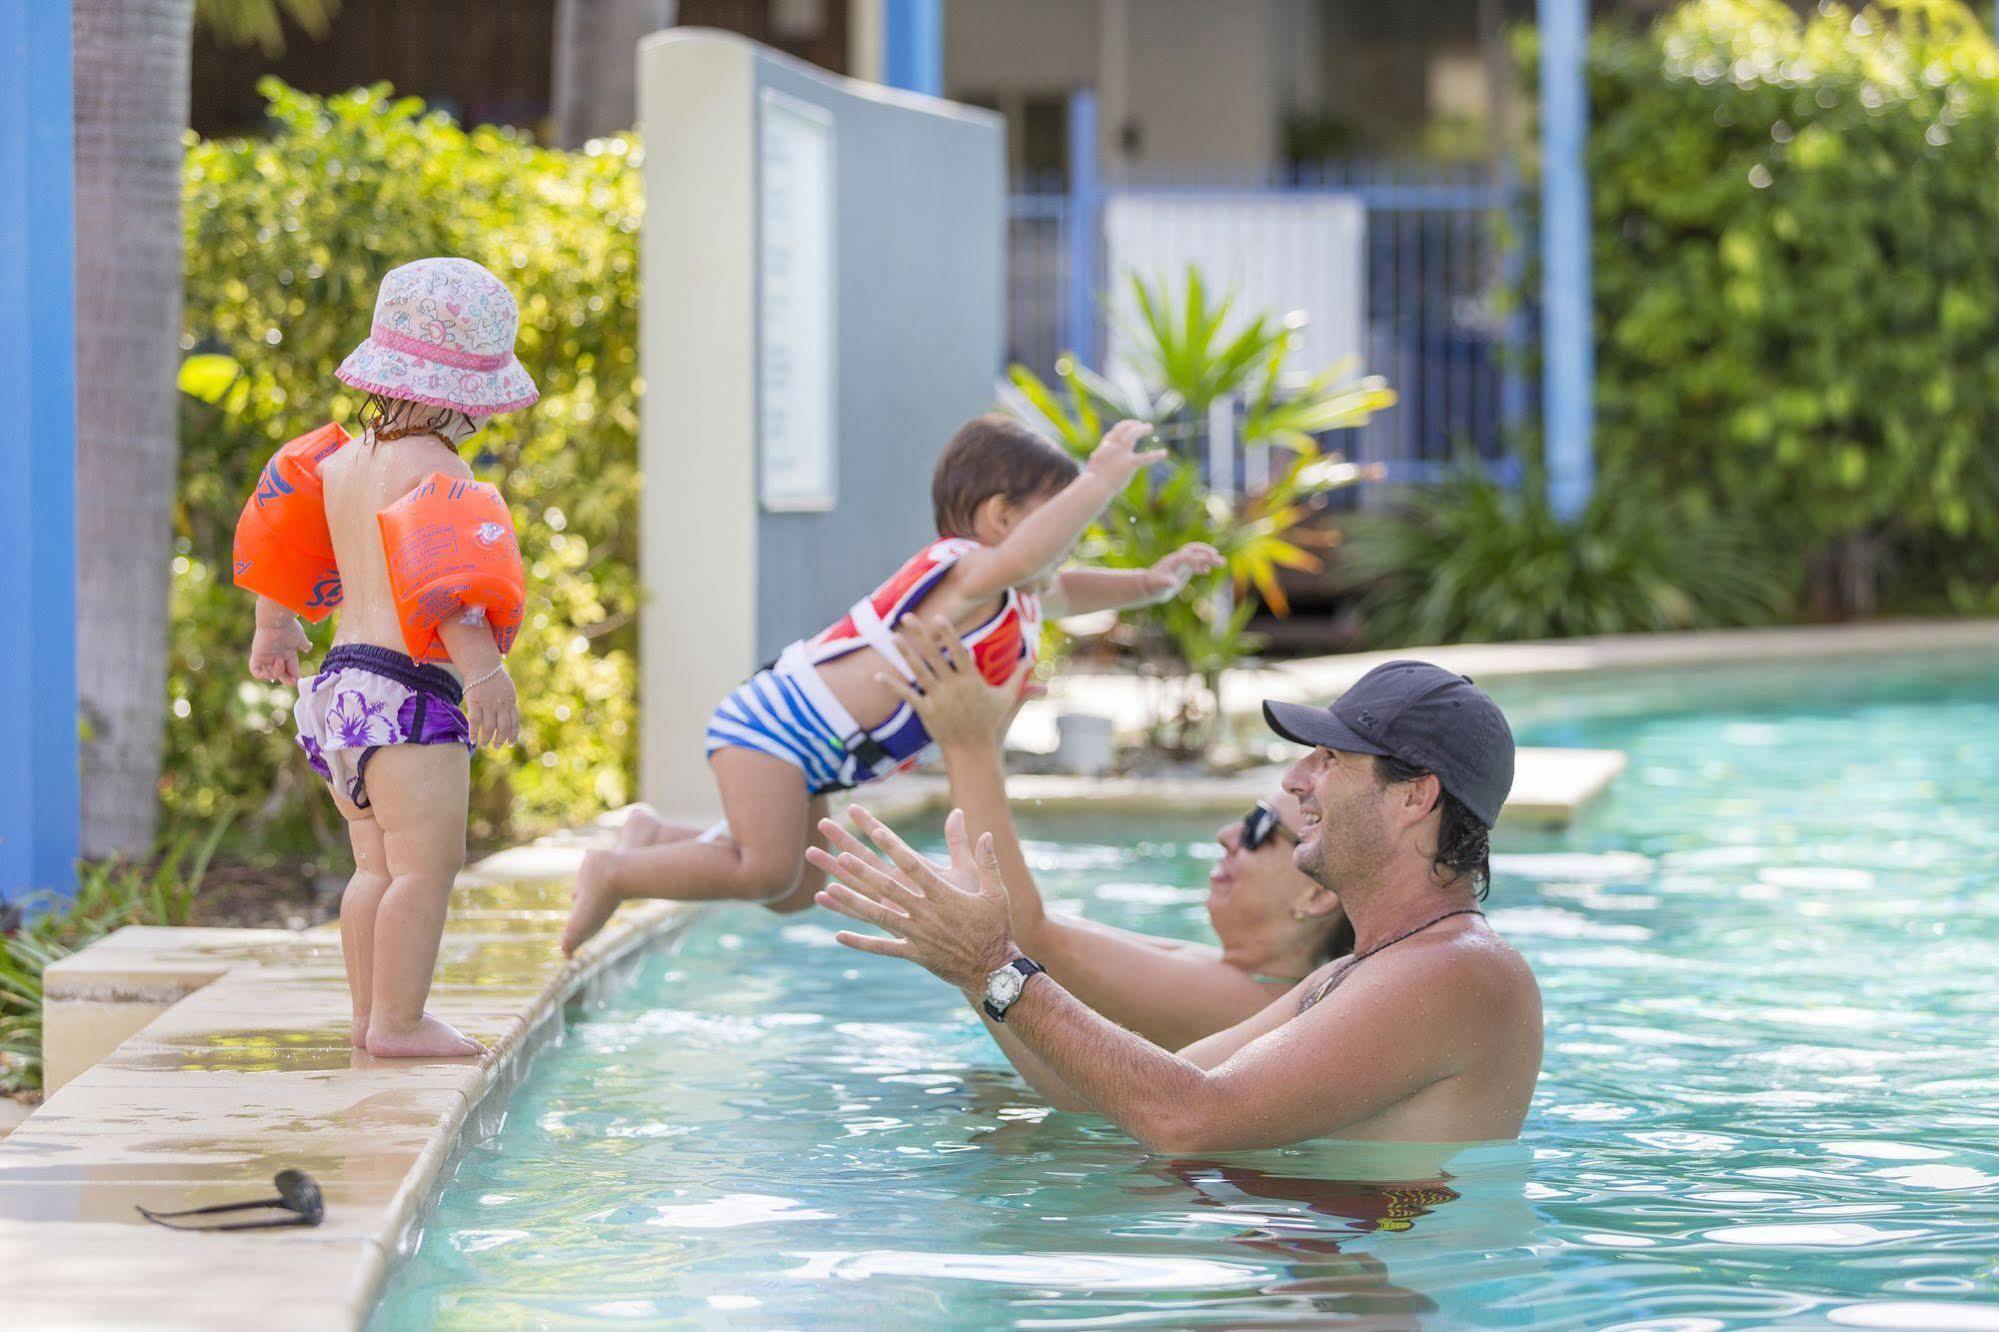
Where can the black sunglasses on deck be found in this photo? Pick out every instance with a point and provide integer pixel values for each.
(299, 1203)
(1260, 823)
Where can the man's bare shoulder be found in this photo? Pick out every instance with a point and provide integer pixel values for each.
(1472, 972)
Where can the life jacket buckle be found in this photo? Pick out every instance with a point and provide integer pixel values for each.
(868, 751)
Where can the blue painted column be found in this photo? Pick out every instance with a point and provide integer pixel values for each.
(38, 740)
(1568, 349)
(913, 42)
(1083, 223)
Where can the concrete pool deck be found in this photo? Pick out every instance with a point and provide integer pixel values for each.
(190, 1065)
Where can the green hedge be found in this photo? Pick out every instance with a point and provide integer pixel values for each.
(287, 237)
(1797, 271)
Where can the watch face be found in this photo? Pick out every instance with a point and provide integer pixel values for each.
(1003, 987)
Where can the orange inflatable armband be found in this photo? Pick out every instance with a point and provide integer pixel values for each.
(451, 549)
(283, 550)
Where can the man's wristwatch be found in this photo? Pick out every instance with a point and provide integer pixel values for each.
(1004, 986)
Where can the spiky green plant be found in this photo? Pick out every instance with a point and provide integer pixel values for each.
(1473, 560)
(1189, 351)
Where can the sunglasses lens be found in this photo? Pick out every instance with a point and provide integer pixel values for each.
(1256, 826)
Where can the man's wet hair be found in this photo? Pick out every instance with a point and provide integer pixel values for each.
(1464, 845)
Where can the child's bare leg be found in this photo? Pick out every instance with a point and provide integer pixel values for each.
(358, 904)
(644, 827)
(418, 793)
(810, 877)
(764, 799)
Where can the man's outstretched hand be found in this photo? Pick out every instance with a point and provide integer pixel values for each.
(951, 922)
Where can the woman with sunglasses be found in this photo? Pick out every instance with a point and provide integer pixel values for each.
(1274, 924)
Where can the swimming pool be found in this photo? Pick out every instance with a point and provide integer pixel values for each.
(1771, 1093)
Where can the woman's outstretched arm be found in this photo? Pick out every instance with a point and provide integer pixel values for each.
(1168, 990)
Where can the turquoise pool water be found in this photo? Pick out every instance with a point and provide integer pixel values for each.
(1771, 1095)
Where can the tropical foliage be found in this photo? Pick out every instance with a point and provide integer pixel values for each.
(1474, 560)
(1190, 349)
(287, 238)
(1796, 287)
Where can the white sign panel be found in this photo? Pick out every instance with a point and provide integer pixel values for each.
(1275, 252)
(795, 370)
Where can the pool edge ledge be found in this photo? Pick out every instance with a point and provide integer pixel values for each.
(194, 1062)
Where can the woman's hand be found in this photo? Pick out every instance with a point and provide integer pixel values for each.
(492, 713)
(274, 650)
(952, 699)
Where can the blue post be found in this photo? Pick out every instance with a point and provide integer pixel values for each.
(1083, 223)
(913, 45)
(1568, 350)
(38, 740)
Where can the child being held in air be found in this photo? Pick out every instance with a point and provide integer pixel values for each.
(424, 565)
(1010, 507)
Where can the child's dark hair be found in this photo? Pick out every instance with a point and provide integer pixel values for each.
(994, 455)
(393, 418)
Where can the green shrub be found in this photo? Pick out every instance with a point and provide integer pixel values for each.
(109, 896)
(287, 238)
(1797, 289)
(1473, 560)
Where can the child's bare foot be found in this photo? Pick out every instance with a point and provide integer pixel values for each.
(360, 1031)
(593, 901)
(644, 827)
(430, 1038)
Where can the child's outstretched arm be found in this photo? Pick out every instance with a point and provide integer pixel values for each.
(275, 647)
(1084, 590)
(1043, 538)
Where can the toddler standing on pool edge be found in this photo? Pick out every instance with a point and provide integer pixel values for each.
(424, 565)
(1010, 507)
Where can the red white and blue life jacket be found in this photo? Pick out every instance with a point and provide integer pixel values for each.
(998, 645)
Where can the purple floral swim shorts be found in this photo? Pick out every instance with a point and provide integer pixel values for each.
(365, 697)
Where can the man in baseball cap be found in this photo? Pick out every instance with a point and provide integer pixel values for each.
(1420, 720)
(1429, 1031)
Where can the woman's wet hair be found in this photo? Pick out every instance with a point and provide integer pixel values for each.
(1464, 845)
(387, 418)
(994, 455)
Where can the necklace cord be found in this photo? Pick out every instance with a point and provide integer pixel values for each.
(1326, 987)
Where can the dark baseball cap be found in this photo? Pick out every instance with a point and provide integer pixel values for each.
(1422, 715)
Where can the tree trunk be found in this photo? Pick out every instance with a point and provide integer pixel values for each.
(131, 110)
(595, 78)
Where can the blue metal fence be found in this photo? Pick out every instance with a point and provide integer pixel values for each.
(1435, 324)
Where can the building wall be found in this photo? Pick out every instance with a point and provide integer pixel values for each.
(918, 216)
(1211, 85)
(919, 240)
(1020, 45)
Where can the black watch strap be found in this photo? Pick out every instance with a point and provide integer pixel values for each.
(1028, 968)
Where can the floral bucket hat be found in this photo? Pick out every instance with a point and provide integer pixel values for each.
(443, 335)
